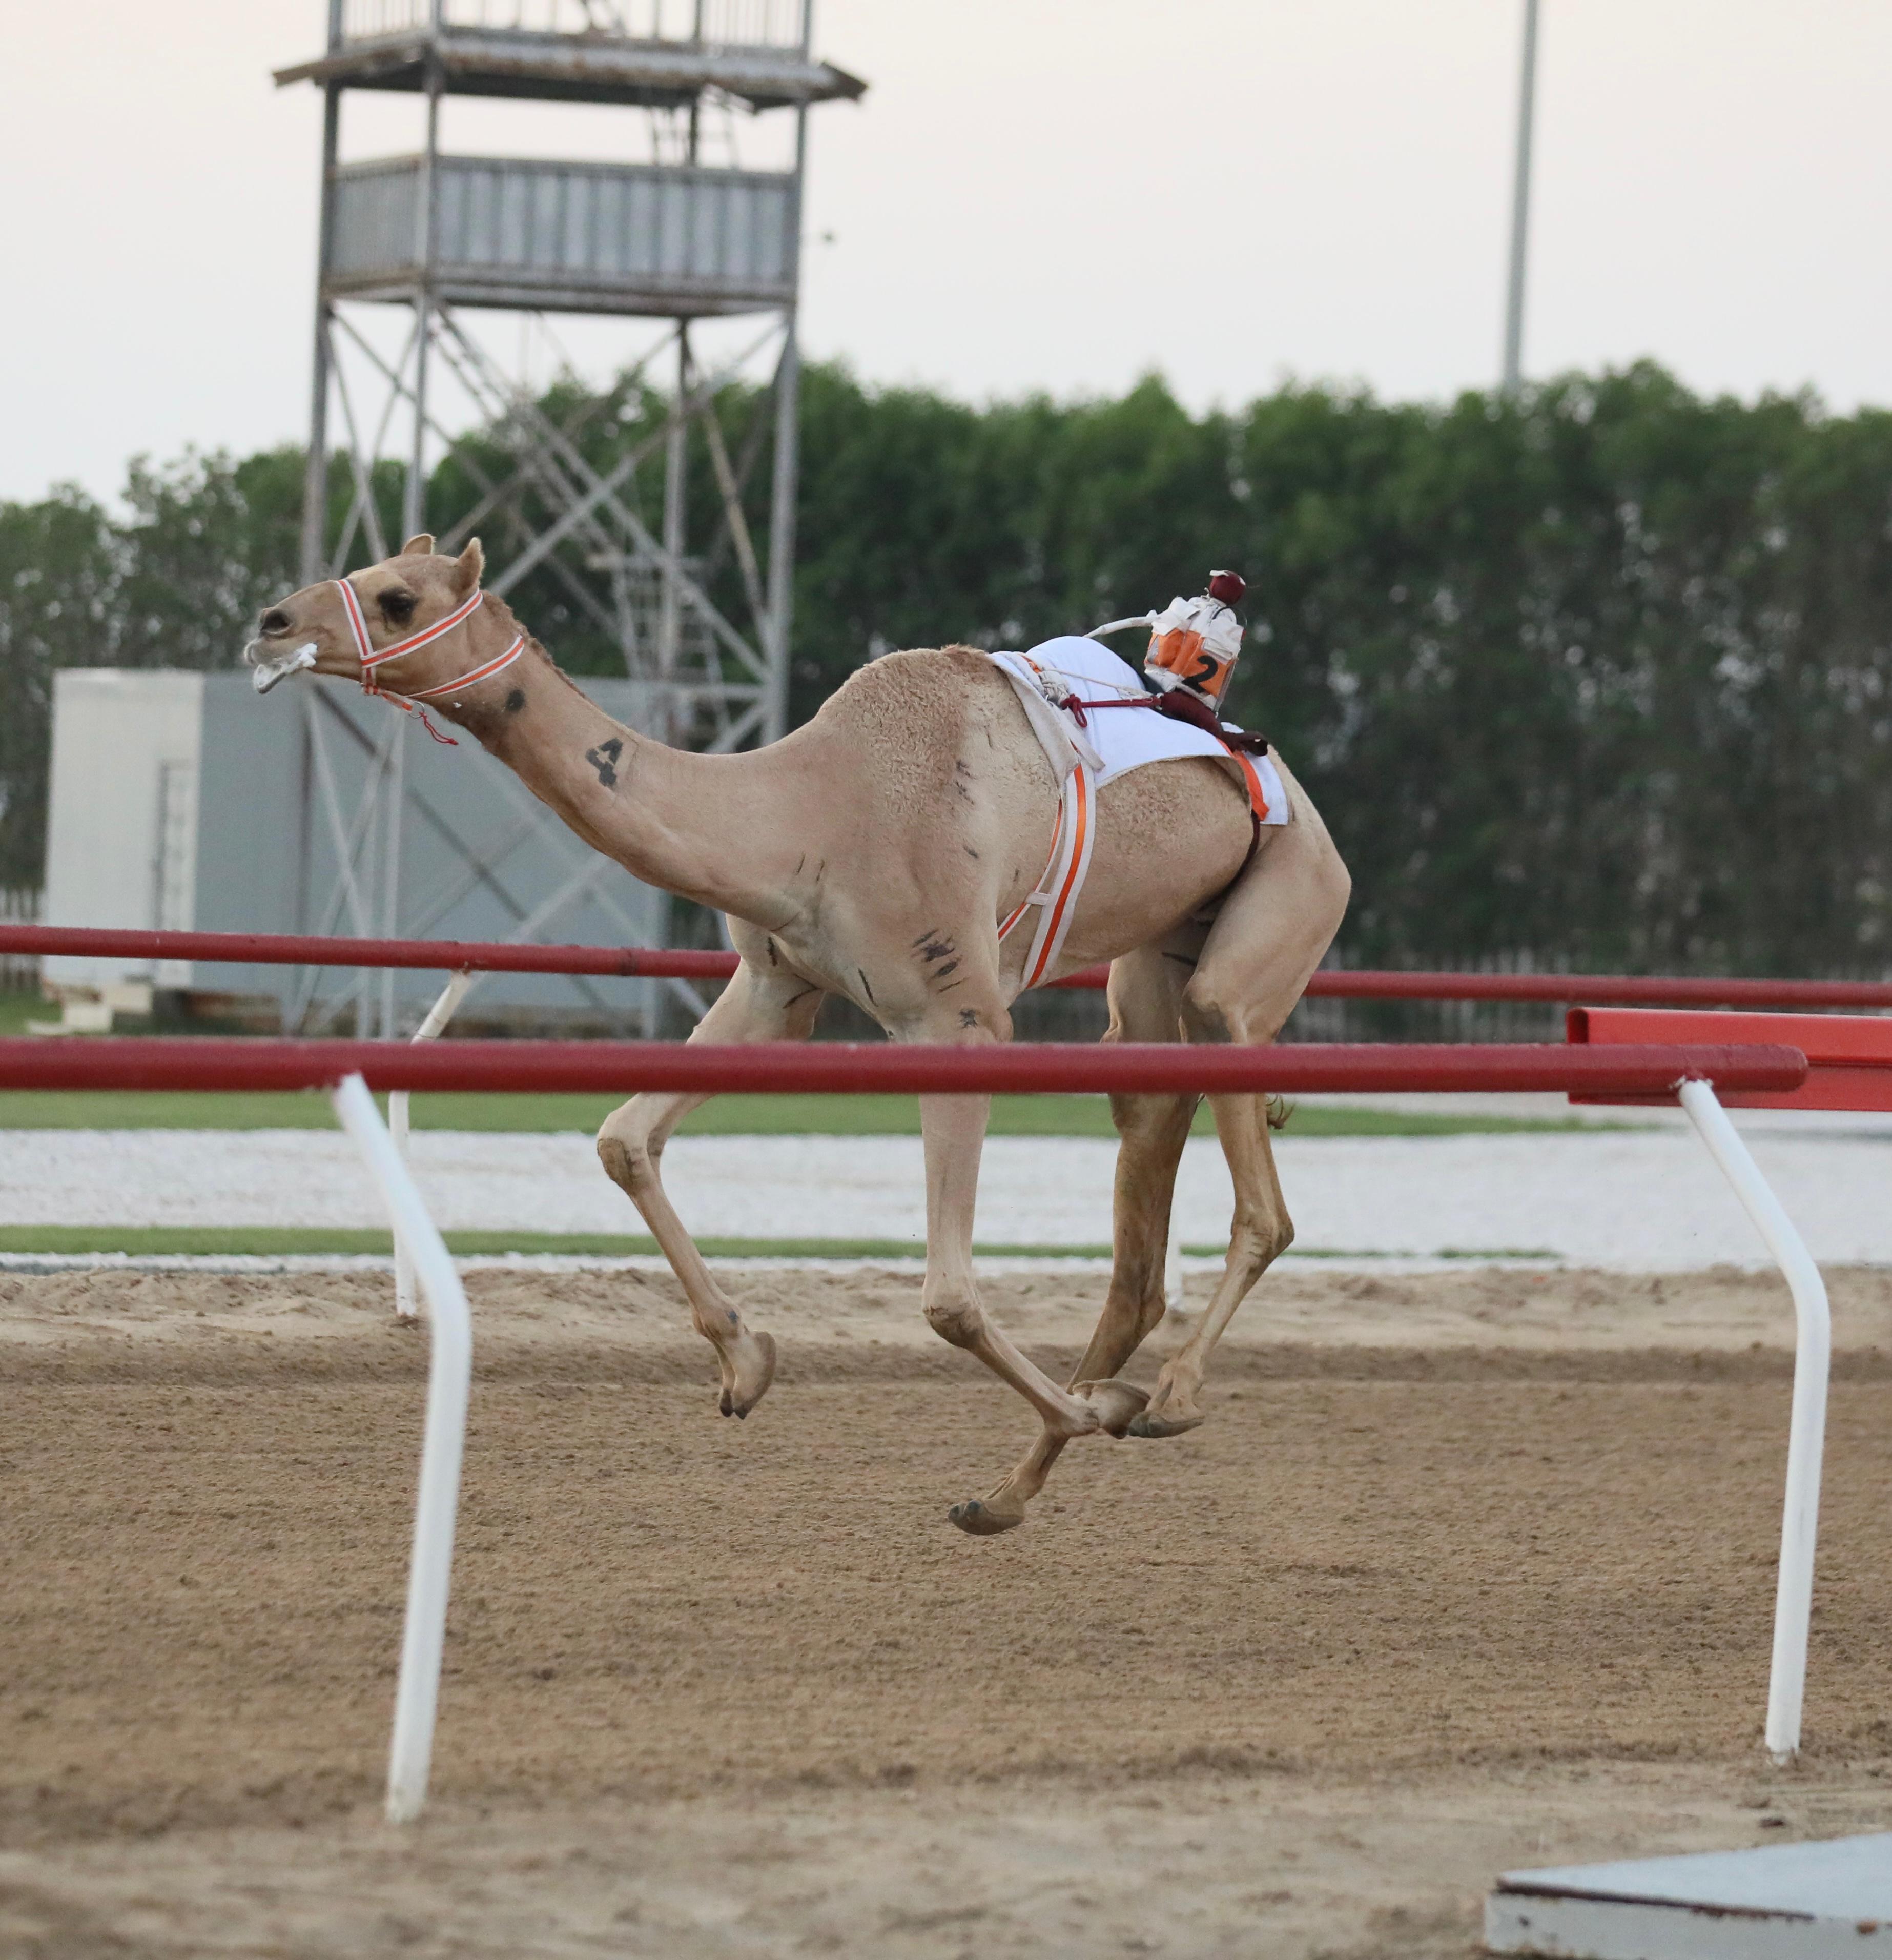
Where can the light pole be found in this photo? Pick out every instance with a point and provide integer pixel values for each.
(1521, 206)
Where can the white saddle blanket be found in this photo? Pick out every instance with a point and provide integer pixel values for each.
(1117, 740)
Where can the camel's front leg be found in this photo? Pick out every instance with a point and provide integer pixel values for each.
(754, 1006)
(1153, 1130)
(1145, 994)
(954, 1127)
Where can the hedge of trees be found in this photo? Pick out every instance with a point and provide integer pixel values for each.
(1601, 677)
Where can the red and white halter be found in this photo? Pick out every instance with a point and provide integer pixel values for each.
(372, 656)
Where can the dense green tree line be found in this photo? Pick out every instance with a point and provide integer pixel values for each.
(1604, 676)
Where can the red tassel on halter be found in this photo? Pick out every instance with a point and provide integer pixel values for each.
(371, 659)
(407, 706)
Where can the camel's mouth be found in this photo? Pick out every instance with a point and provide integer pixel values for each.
(268, 670)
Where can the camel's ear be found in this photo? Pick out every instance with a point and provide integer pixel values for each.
(468, 567)
(420, 543)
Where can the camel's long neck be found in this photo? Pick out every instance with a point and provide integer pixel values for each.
(709, 828)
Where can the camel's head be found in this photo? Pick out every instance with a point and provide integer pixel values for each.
(401, 596)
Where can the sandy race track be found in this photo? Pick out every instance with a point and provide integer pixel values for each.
(1466, 1570)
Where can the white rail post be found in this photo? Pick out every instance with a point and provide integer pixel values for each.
(1806, 1432)
(448, 1379)
(442, 1011)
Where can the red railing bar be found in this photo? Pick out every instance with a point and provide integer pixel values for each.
(261, 949)
(475, 955)
(1603, 990)
(845, 1067)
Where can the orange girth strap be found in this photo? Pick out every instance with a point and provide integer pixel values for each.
(1251, 780)
(1057, 895)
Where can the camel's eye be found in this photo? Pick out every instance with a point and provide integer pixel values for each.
(397, 608)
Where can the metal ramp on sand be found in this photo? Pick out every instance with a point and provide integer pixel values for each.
(1780, 1902)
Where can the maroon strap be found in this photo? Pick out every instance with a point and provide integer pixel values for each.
(1076, 708)
(1179, 707)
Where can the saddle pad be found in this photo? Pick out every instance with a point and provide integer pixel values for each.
(1123, 738)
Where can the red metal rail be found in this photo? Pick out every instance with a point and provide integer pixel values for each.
(1628, 990)
(262, 949)
(844, 1067)
(1849, 1056)
(451, 955)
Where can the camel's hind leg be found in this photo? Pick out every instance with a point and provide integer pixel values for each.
(1269, 936)
(1261, 1232)
(1146, 997)
(754, 1006)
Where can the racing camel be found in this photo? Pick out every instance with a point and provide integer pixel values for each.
(873, 854)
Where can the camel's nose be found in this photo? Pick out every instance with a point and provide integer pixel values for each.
(271, 667)
(274, 621)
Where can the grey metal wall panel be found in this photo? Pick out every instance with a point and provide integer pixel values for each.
(478, 852)
(250, 799)
(251, 846)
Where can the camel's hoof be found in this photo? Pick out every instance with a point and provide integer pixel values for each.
(751, 1383)
(1176, 1423)
(1116, 1403)
(981, 1520)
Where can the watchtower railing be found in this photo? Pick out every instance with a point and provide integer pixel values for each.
(518, 231)
(729, 24)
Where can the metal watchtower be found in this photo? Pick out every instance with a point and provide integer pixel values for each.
(426, 261)
(676, 238)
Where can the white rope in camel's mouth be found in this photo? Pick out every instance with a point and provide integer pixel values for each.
(269, 672)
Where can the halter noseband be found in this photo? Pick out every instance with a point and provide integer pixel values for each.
(371, 657)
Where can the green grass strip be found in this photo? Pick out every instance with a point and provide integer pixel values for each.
(266, 1241)
(727, 1115)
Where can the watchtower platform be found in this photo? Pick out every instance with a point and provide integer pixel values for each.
(591, 64)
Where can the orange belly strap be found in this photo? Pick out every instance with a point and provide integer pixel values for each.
(1056, 897)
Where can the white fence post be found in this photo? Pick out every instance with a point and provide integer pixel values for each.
(1806, 1432)
(448, 1379)
(442, 1011)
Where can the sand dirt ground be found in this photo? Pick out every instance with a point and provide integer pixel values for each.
(1466, 1571)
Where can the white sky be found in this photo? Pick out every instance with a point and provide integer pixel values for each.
(1035, 194)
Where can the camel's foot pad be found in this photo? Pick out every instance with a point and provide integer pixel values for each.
(754, 1369)
(983, 1517)
(1165, 1422)
(1117, 1404)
